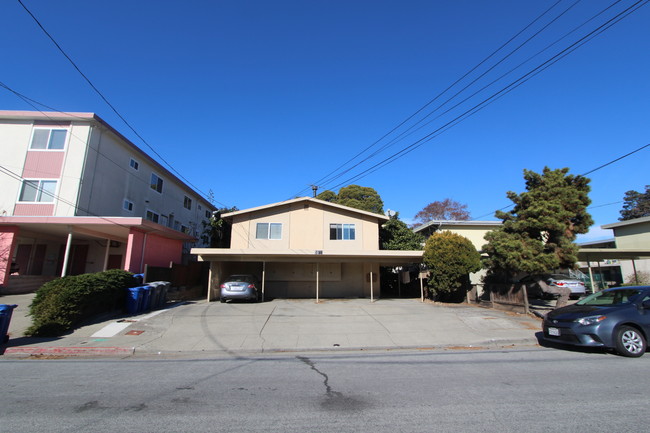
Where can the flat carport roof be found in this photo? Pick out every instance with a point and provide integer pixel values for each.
(383, 257)
(597, 254)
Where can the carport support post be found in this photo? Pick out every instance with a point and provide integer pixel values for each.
(591, 277)
(107, 254)
(372, 290)
(66, 257)
(317, 282)
(421, 288)
(263, 279)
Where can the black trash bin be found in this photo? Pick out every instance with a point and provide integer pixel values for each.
(6, 312)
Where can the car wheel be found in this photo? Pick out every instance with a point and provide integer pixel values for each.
(222, 300)
(630, 342)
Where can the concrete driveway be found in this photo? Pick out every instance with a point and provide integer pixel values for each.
(291, 325)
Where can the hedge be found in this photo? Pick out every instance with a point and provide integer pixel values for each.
(62, 304)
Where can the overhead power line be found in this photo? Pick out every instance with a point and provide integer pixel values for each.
(589, 172)
(36, 105)
(105, 99)
(514, 84)
(328, 178)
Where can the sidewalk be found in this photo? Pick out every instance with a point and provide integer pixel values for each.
(283, 326)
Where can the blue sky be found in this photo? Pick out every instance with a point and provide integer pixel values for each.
(258, 100)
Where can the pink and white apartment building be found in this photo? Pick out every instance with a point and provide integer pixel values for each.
(76, 196)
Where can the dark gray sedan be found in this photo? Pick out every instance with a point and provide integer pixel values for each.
(617, 319)
(244, 287)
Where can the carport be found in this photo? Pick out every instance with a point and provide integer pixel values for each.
(317, 269)
(597, 255)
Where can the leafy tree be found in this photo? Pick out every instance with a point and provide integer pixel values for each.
(396, 235)
(450, 258)
(636, 204)
(447, 209)
(327, 195)
(359, 197)
(537, 234)
(217, 231)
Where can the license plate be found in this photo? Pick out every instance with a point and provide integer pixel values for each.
(554, 332)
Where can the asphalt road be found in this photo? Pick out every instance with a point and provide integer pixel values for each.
(535, 390)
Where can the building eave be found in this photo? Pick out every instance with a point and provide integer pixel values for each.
(626, 223)
(379, 217)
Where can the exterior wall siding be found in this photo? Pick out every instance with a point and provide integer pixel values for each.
(636, 236)
(294, 218)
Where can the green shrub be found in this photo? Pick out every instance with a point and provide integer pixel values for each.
(61, 304)
(450, 258)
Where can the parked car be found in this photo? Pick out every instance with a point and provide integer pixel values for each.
(560, 280)
(617, 319)
(245, 287)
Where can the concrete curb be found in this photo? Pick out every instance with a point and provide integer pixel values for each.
(97, 352)
(69, 351)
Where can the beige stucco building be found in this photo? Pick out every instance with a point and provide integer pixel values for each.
(305, 248)
(475, 231)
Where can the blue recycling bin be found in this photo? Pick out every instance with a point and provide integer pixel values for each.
(6, 312)
(146, 298)
(139, 278)
(134, 300)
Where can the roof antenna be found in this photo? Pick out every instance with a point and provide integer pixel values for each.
(315, 189)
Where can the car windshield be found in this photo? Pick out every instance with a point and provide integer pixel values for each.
(611, 297)
(238, 278)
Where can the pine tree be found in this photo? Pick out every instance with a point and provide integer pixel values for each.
(538, 234)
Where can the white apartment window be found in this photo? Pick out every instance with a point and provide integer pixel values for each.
(48, 138)
(128, 205)
(38, 191)
(152, 216)
(156, 183)
(208, 214)
(268, 231)
(187, 203)
(342, 232)
(134, 164)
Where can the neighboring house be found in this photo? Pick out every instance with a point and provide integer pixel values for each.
(475, 231)
(76, 196)
(305, 248)
(619, 259)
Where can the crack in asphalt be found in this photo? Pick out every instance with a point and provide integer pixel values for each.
(334, 400)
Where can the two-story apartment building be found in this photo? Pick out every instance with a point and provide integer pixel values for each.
(76, 196)
(305, 248)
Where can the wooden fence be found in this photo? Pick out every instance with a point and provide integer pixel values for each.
(508, 297)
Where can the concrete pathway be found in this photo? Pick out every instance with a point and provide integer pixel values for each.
(283, 325)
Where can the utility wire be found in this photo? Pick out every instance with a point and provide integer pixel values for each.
(521, 80)
(589, 172)
(407, 133)
(101, 95)
(35, 104)
(326, 177)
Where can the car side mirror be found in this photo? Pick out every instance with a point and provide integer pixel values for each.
(646, 304)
